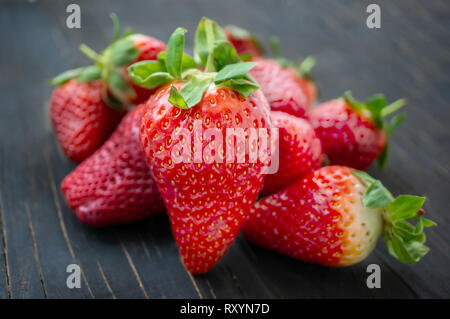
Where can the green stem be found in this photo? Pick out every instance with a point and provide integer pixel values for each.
(210, 67)
(393, 107)
(306, 66)
(87, 51)
(116, 26)
(275, 46)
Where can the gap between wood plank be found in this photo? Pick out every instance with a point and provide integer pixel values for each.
(35, 248)
(100, 268)
(3, 237)
(62, 225)
(194, 283)
(211, 291)
(133, 268)
(4, 253)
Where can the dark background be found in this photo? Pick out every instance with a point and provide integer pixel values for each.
(408, 57)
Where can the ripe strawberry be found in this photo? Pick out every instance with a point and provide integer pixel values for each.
(334, 217)
(244, 42)
(287, 86)
(207, 198)
(81, 119)
(114, 185)
(299, 148)
(353, 133)
(148, 49)
(285, 89)
(111, 67)
(89, 102)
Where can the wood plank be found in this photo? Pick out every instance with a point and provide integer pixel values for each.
(5, 291)
(22, 267)
(152, 249)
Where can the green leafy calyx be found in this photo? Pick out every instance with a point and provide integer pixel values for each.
(378, 110)
(108, 67)
(215, 62)
(403, 240)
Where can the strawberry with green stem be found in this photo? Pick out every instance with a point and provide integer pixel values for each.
(81, 119)
(354, 133)
(207, 199)
(89, 102)
(334, 217)
(111, 65)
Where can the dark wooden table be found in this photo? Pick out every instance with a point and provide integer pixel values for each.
(408, 57)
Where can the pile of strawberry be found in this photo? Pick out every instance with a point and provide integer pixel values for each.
(140, 161)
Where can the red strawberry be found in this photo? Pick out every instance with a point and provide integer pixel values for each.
(81, 119)
(300, 151)
(244, 42)
(89, 103)
(149, 48)
(334, 217)
(114, 185)
(352, 133)
(207, 203)
(283, 87)
(207, 198)
(111, 66)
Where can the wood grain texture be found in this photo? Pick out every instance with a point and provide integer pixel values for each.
(39, 236)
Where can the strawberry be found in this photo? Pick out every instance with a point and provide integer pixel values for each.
(207, 198)
(354, 133)
(89, 102)
(334, 217)
(284, 87)
(114, 185)
(81, 119)
(287, 86)
(148, 49)
(299, 149)
(111, 65)
(244, 42)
